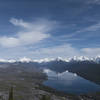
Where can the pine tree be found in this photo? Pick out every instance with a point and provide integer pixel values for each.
(45, 97)
(11, 94)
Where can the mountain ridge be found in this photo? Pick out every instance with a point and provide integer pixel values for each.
(72, 59)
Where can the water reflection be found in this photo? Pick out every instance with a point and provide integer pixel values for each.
(69, 82)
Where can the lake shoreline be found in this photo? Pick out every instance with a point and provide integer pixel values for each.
(86, 96)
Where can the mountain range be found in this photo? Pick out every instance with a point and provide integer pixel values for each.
(75, 58)
(88, 68)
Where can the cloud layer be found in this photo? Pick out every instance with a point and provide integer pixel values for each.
(28, 33)
(65, 50)
(93, 1)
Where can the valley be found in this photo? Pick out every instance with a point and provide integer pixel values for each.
(27, 79)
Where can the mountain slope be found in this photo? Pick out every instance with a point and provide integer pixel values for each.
(88, 68)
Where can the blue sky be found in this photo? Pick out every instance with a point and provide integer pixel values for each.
(49, 28)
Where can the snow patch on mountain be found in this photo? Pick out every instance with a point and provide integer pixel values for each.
(45, 60)
(25, 60)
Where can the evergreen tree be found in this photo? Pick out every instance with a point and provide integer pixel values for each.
(45, 97)
(11, 94)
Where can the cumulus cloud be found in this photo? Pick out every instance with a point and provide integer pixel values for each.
(29, 33)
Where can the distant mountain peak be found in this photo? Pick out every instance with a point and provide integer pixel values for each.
(25, 59)
(75, 58)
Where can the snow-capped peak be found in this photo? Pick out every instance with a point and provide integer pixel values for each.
(11, 61)
(81, 58)
(75, 58)
(7, 61)
(59, 58)
(44, 60)
(25, 59)
(97, 59)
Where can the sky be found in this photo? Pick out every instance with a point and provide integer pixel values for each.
(49, 28)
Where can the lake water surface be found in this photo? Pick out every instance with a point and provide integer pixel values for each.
(69, 82)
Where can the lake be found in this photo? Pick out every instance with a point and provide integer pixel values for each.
(69, 82)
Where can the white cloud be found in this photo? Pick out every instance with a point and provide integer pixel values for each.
(65, 50)
(20, 22)
(89, 31)
(92, 28)
(93, 1)
(29, 33)
(34, 32)
(9, 41)
(91, 51)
